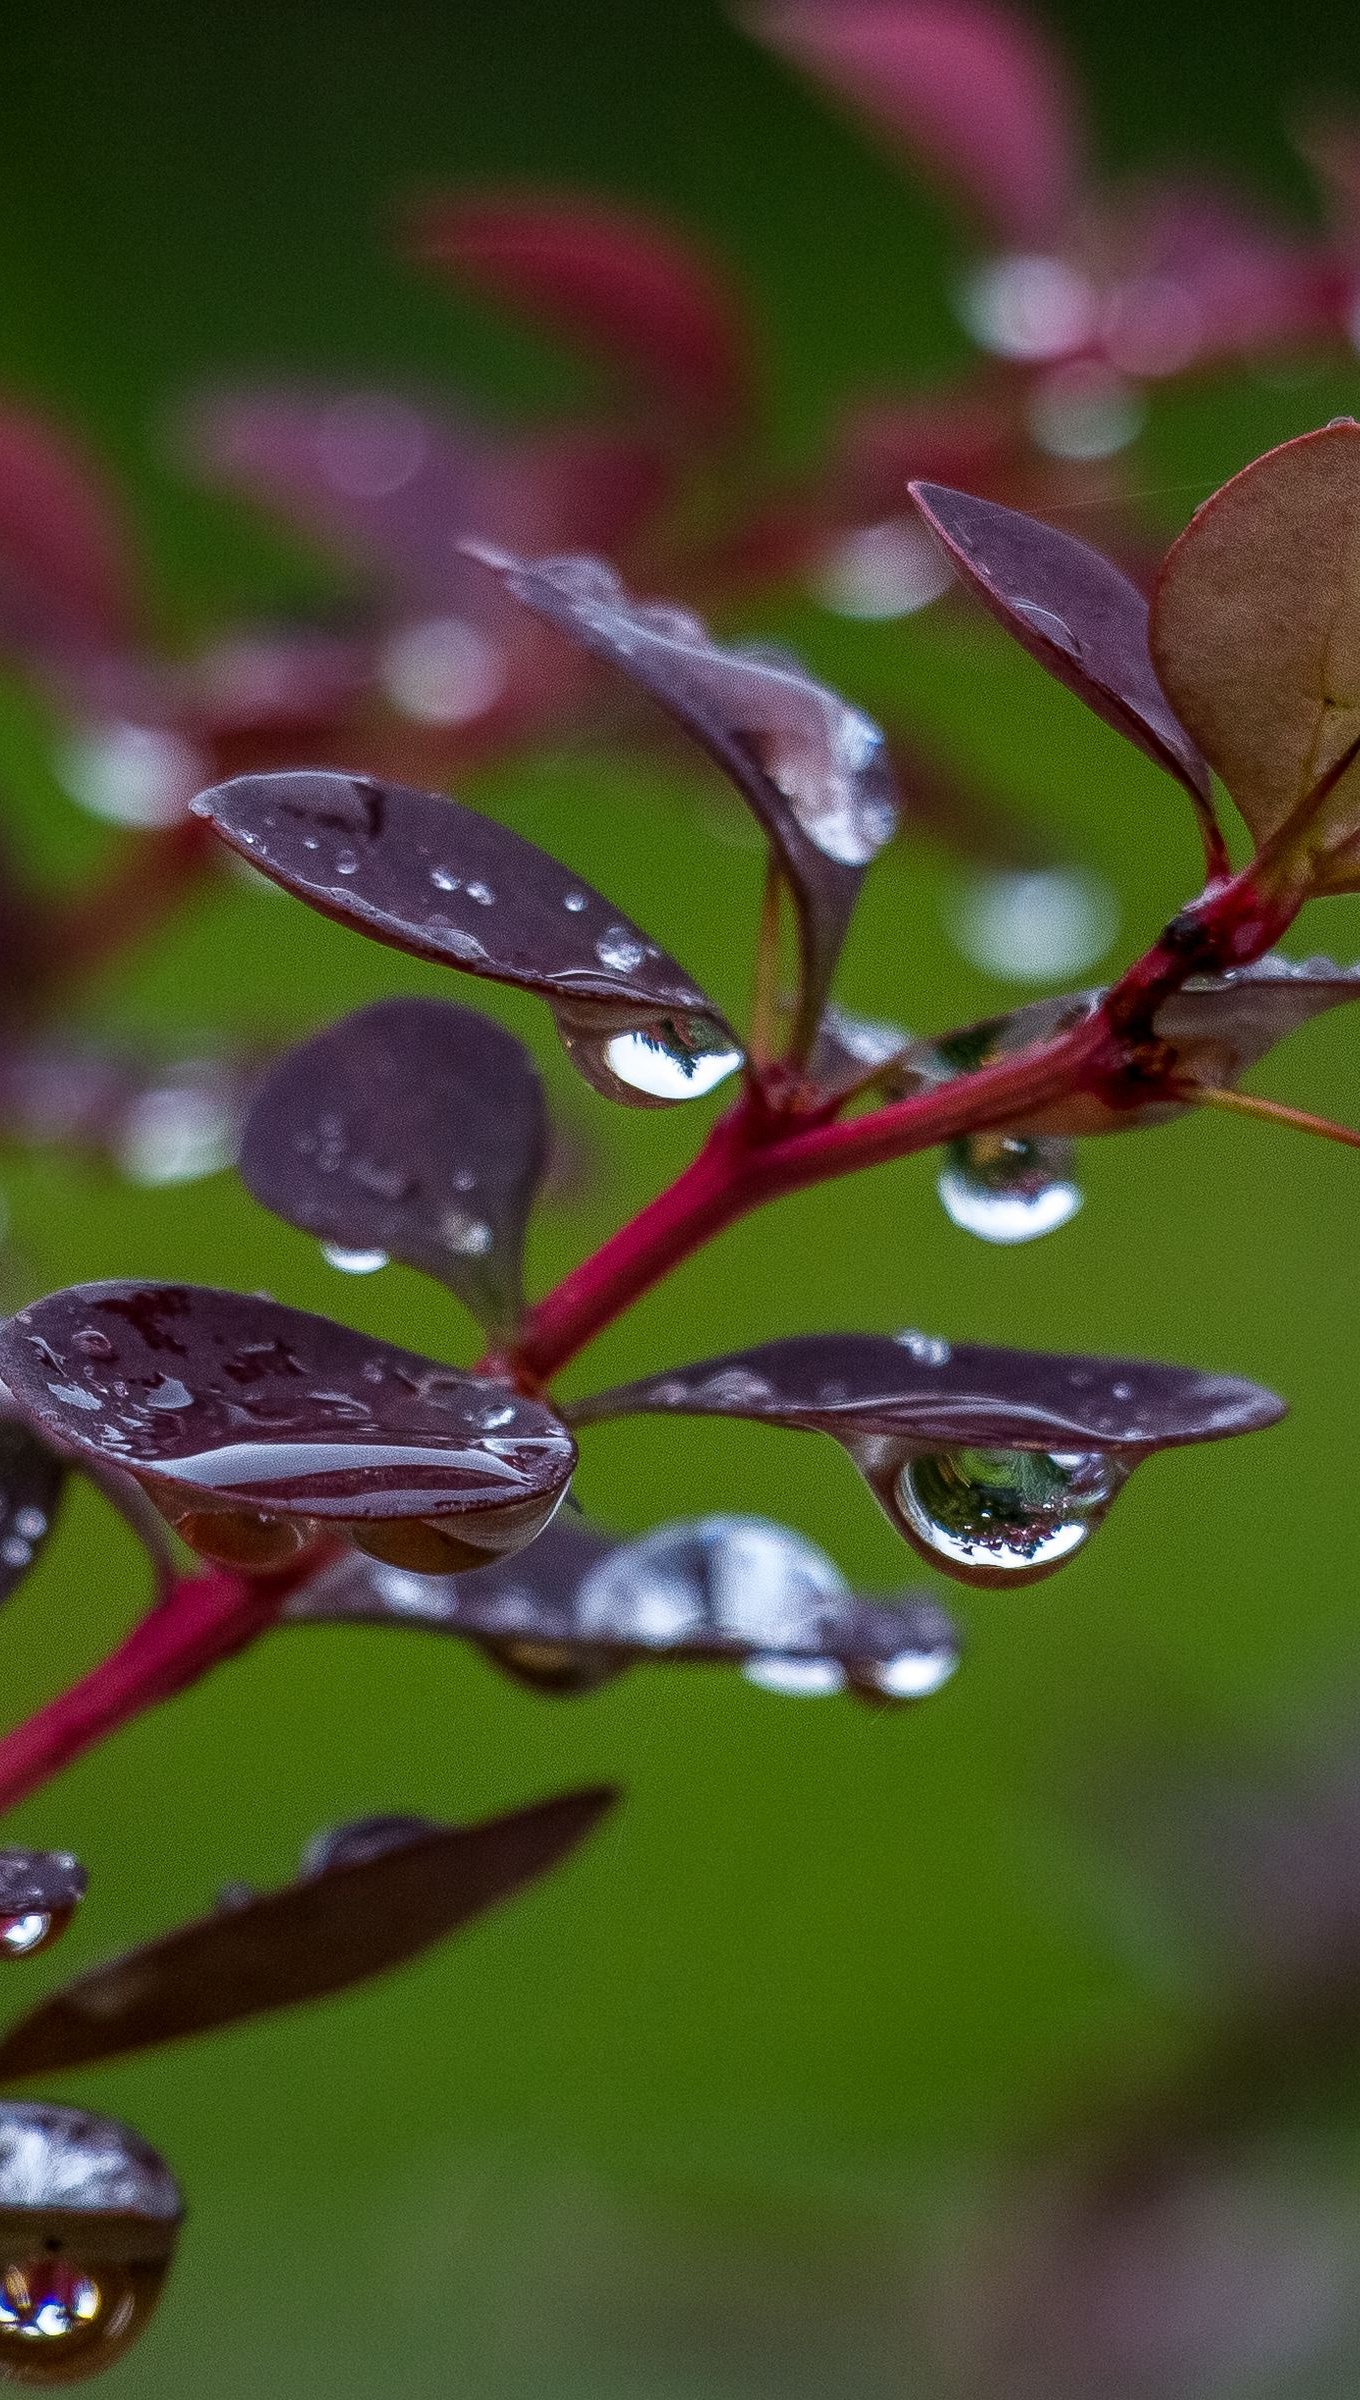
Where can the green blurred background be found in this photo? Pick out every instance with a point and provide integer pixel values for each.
(679, 2123)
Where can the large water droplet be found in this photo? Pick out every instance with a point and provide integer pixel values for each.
(1007, 1188)
(1002, 1514)
(647, 1066)
(354, 1262)
(62, 2319)
(648, 1063)
(21, 1936)
(620, 949)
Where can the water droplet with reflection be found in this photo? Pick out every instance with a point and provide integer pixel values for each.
(646, 1066)
(1003, 1515)
(32, 1930)
(354, 1262)
(1008, 1188)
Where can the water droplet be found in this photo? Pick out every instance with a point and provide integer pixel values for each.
(445, 879)
(1006, 1188)
(1028, 306)
(646, 1062)
(883, 571)
(482, 894)
(1027, 927)
(1003, 1513)
(354, 1262)
(91, 1343)
(575, 901)
(30, 1524)
(912, 1675)
(442, 672)
(176, 1134)
(132, 774)
(62, 2319)
(930, 1348)
(21, 1935)
(734, 1579)
(346, 863)
(14, 1552)
(616, 947)
(467, 1237)
(795, 1678)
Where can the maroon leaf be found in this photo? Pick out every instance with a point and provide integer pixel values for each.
(63, 546)
(40, 1891)
(412, 1128)
(622, 282)
(813, 769)
(578, 1608)
(241, 1416)
(31, 1482)
(436, 879)
(974, 91)
(369, 1908)
(89, 2218)
(1079, 617)
(996, 1465)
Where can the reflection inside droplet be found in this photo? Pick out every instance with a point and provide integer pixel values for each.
(1006, 1188)
(47, 2299)
(22, 1934)
(1016, 1511)
(1026, 927)
(354, 1262)
(666, 1070)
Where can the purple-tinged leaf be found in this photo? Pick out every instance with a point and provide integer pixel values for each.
(1256, 637)
(32, 1478)
(414, 1129)
(623, 283)
(1079, 616)
(578, 1608)
(996, 1465)
(89, 2219)
(249, 1422)
(435, 879)
(813, 769)
(40, 1891)
(974, 91)
(370, 1906)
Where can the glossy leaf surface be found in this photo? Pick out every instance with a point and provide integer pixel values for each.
(937, 1393)
(1074, 612)
(31, 1481)
(578, 1607)
(975, 92)
(239, 1403)
(89, 2219)
(328, 1930)
(1256, 637)
(415, 1129)
(622, 282)
(437, 880)
(813, 769)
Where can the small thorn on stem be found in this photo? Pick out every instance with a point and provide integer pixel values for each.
(1272, 1112)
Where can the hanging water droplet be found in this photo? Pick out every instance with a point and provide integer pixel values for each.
(354, 1262)
(795, 1678)
(646, 1062)
(912, 1675)
(63, 2319)
(647, 1066)
(20, 1936)
(1007, 1187)
(1002, 1514)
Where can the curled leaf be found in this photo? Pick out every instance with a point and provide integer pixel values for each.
(624, 283)
(250, 1423)
(813, 769)
(40, 1891)
(413, 1129)
(579, 1608)
(32, 1478)
(435, 879)
(367, 1906)
(1256, 637)
(1079, 616)
(973, 90)
(996, 1465)
(89, 2219)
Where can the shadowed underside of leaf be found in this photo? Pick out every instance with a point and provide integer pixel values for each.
(32, 1478)
(413, 1128)
(1079, 616)
(376, 1908)
(1256, 637)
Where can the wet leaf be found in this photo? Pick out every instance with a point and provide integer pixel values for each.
(89, 2219)
(579, 1608)
(435, 879)
(975, 92)
(412, 1129)
(813, 769)
(248, 1420)
(1074, 612)
(40, 1891)
(32, 1478)
(623, 283)
(996, 1465)
(369, 1907)
(1256, 638)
